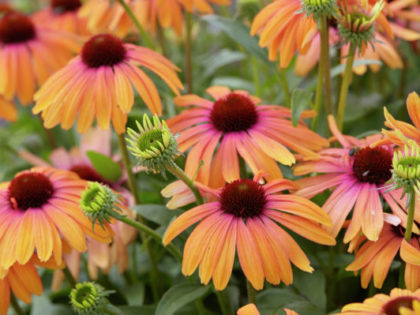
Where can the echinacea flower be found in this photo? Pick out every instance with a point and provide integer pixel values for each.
(98, 83)
(38, 208)
(104, 16)
(398, 302)
(244, 219)
(8, 109)
(99, 255)
(29, 54)
(357, 174)
(375, 258)
(22, 281)
(63, 15)
(409, 131)
(238, 125)
(285, 29)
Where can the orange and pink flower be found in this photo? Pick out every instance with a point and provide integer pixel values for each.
(244, 218)
(357, 174)
(98, 83)
(236, 125)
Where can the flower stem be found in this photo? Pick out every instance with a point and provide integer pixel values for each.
(345, 86)
(126, 160)
(285, 86)
(145, 229)
(69, 277)
(410, 215)
(180, 174)
(222, 304)
(15, 305)
(161, 39)
(188, 58)
(252, 294)
(154, 273)
(145, 37)
(323, 73)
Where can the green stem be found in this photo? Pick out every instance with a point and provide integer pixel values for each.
(325, 54)
(145, 37)
(222, 304)
(188, 58)
(410, 215)
(256, 76)
(69, 277)
(127, 163)
(285, 86)
(345, 86)
(154, 273)
(252, 294)
(145, 229)
(180, 174)
(15, 305)
(322, 73)
(161, 39)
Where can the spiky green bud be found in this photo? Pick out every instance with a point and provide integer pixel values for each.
(89, 298)
(154, 146)
(318, 8)
(99, 203)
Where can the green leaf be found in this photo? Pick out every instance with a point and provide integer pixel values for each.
(179, 296)
(301, 100)
(239, 33)
(312, 286)
(135, 310)
(305, 308)
(105, 166)
(156, 213)
(221, 59)
(41, 305)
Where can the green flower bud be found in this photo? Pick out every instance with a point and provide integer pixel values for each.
(99, 203)
(318, 8)
(89, 298)
(154, 146)
(356, 21)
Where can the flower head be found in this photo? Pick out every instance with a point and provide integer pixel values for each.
(89, 298)
(243, 219)
(63, 15)
(398, 302)
(29, 54)
(318, 8)
(154, 146)
(357, 174)
(375, 258)
(22, 281)
(39, 208)
(356, 20)
(235, 124)
(98, 83)
(285, 29)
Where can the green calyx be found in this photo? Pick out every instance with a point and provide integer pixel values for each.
(406, 168)
(89, 298)
(99, 203)
(318, 8)
(153, 145)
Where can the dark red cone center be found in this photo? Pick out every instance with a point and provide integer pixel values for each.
(372, 165)
(87, 172)
(30, 190)
(243, 198)
(234, 112)
(16, 27)
(63, 6)
(103, 50)
(392, 307)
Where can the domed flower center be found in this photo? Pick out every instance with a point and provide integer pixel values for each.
(372, 165)
(87, 172)
(234, 112)
(392, 307)
(30, 190)
(243, 198)
(16, 27)
(103, 50)
(63, 6)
